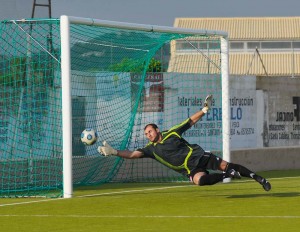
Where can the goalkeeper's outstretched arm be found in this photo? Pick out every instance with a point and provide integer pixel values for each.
(108, 150)
(129, 154)
(207, 105)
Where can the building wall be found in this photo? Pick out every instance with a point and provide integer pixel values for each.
(265, 111)
(277, 126)
(281, 111)
(267, 159)
(247, 28)
(270, 45)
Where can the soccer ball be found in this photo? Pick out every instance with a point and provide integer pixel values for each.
(89, 136)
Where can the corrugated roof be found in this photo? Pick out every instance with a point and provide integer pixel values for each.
(258, 28)
(276, 64)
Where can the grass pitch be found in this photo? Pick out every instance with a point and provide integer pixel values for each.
(236, 206)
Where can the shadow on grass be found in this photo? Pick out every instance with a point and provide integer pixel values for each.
(291, 194)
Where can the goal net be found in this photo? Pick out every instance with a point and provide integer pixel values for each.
(60, 76)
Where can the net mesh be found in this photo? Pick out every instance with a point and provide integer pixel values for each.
(121, 80)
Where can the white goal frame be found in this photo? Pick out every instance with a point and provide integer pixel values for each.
(65, 22)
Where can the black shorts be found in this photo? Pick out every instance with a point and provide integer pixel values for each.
(208, 161)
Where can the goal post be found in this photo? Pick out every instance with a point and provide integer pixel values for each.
(67, 106)
(114, 77)
(225, 98)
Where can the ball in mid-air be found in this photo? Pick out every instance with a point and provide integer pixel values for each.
(89, 136)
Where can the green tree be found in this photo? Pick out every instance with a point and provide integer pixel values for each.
(131, 65)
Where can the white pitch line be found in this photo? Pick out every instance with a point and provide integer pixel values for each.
(155, 216)
(29, 202)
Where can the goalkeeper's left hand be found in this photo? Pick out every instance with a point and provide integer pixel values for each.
(207, 104)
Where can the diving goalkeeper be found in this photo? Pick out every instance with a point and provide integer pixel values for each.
(170, 149)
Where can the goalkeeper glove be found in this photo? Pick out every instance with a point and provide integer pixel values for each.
(207, 104)
(107, 150)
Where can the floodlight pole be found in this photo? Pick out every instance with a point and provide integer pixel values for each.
(66, 106)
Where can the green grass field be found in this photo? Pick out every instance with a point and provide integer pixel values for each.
(237, 206)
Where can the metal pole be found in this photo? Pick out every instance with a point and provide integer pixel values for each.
(66, 106)
(225, 100)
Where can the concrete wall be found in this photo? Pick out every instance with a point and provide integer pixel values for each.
(269, 111)
(266, 159)
(278, 126)
(281, 97)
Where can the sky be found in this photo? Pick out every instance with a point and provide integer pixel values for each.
(154, 12)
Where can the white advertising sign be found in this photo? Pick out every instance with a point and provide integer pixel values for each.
(284, 119)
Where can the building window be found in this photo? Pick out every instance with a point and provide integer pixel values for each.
(296, 45)
(202, 45)
(193, 46)
(183, 45)
(253, 45)
(236, 45)
(275, 45)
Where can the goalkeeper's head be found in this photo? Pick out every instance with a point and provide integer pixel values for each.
(152, 125)
(152, 133)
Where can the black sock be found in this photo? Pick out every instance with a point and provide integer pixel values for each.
(242, 170)
(211, 179)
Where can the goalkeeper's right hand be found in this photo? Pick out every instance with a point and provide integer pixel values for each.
(107, 150)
